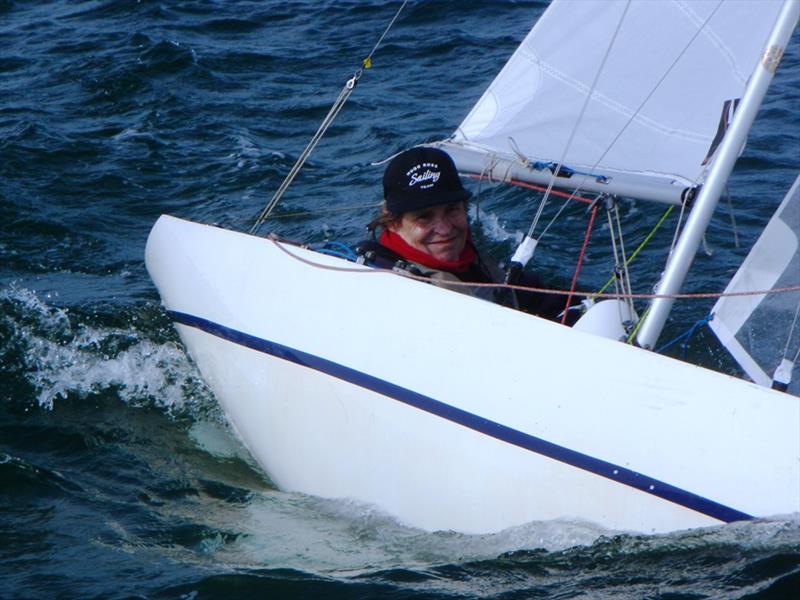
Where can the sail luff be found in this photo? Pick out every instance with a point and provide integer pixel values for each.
(683, 255)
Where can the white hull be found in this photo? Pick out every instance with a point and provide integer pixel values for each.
(449, 412)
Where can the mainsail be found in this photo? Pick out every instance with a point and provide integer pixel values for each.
(760, 331)
(661, 78)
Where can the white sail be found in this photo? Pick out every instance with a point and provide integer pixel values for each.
(758, 330)
(666, 75)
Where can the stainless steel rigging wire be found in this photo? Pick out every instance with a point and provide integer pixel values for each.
(338, 104)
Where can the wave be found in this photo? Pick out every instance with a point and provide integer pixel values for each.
(338, 544)
(61, 354)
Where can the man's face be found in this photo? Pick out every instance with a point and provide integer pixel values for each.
(440, 231)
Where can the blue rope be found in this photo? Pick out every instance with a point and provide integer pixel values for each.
(687, 335)
(566, 171)
(335, 249)
(336, 254)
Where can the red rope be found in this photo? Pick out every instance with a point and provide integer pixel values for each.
(531, 186)
(580, 262)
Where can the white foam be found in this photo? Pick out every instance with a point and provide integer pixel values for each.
(493, 228)
(249, 155)
(346, 538)
(64, 357)
(219, 440)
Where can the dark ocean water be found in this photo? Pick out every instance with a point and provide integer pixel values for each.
(118, 475)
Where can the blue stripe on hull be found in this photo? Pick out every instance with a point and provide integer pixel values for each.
(487, 427)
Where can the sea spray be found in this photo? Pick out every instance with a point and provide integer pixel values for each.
(493, 227)
(63, 354)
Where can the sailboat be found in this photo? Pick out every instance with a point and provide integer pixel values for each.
(638, 99)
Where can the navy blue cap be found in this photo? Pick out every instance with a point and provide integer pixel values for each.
(420, 178)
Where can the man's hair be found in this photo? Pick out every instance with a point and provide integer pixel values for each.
(386, 218)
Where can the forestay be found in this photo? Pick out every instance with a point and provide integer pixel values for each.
(746, 324)
(664, 77)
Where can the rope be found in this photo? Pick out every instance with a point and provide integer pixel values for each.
(635, 332)
(531, 186)
(372, 270)
(645, 241)
(335, 249)
(540, 165)
(618, 271)
(678, 225)
(344, 94)
(686, 336)
(329, 252)
(368, 61)
(338, 104)
(578, 267)
(734, 228)
(626, 282)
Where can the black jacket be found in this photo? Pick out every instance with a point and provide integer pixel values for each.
(548, 306)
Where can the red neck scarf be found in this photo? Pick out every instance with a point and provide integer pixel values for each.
(398, 245)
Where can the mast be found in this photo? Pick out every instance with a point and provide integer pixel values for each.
(682, 256)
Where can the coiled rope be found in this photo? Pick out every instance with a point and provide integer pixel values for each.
(338, 104)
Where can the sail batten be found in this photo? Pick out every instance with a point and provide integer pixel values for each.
(674, 70)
